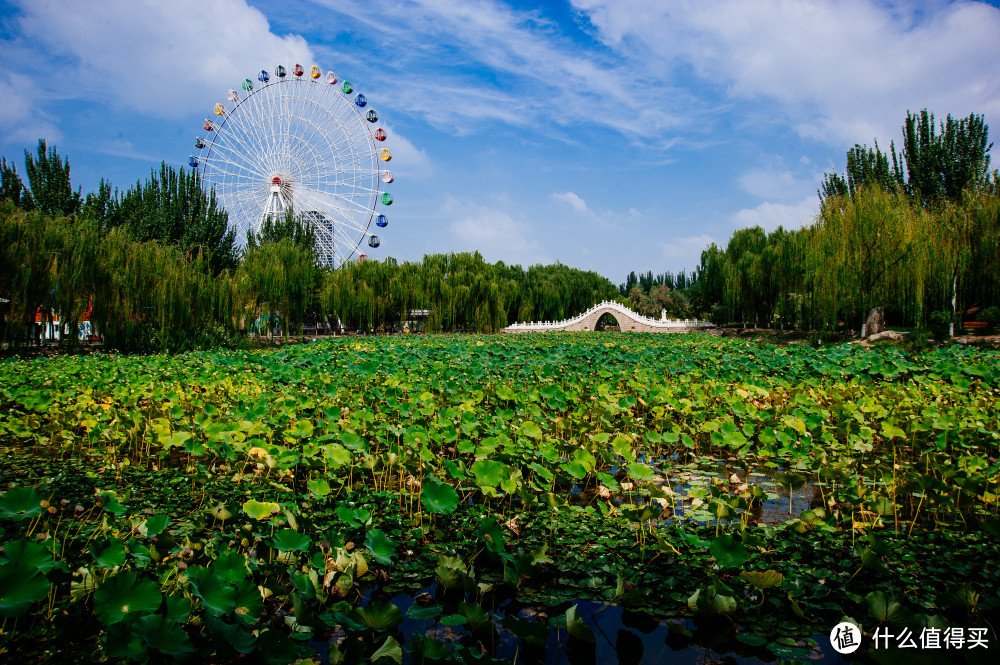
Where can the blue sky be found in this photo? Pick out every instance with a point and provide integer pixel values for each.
(610, 135)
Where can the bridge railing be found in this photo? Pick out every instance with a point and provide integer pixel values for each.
(617, 307)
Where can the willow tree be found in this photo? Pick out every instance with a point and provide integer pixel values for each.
(48, 270)
(152, 296)
(279, 280)
(861, 240)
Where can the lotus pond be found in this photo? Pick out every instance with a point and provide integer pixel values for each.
(532, 499)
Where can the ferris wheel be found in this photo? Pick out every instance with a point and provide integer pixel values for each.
(306, 144)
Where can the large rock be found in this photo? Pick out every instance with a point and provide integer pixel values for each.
(875, 323)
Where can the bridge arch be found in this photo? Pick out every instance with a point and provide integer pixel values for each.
(628, 321)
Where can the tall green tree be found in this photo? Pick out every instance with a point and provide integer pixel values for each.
(11, 186)
(941, 165)
(172, 207)
(48, 178)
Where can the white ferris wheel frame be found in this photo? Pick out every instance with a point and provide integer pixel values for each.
(314, 138)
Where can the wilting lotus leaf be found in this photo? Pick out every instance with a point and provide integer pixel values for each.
(21, 503)
(125, 596)
(762, 579)
(438, 497)
(389, 649)
(260, 510)
(220, 512)
(577, 627)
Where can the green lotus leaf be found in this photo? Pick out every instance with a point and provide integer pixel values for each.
(438, 497)
(531, 429)
(217, 596)
(108, 553)
(30, 554)
(751, 639)
(420, 613)
(260, 510)
(155, 525)
(231, 566)
(354, 517)
(249, 604)
(533, 632)
(488, 473)
(319, 487)
(21, 586)
(239, 638)
(479, 619)
(21, 503)
(377, 615)
(574, 469)
(125, 596)
(122, 642)
(380, 546)
(109, 500)
(288, 540)
(178, 608)
(453, 620)
(159, 633)
(729, 552)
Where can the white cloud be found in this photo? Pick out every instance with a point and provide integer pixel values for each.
(21, 119)
(572, 200)
(685, 251)
(773, 181)
(604, 219)
(494, 232)
(541, 76)
(163, 59)
(407, 159)
(843, 71)
(769, 215)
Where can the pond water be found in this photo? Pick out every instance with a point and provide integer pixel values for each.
(622, 637)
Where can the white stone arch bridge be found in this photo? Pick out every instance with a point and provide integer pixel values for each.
(628, 321)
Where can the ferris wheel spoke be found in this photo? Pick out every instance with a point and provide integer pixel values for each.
(308, 143)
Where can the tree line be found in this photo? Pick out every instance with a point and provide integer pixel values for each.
(156, 267)
(916, 232)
